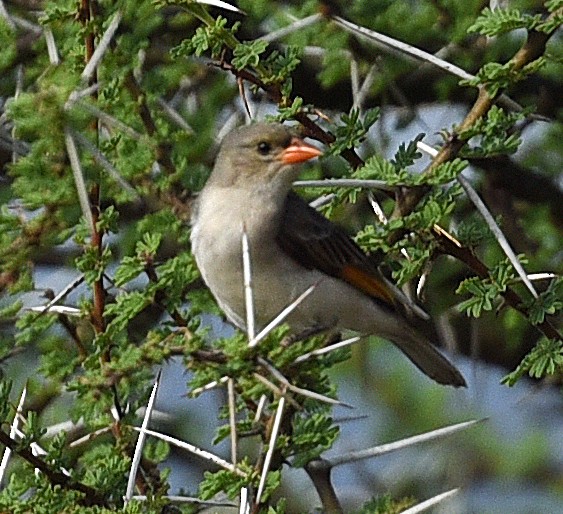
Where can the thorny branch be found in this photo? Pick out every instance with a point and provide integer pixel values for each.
(91, 496)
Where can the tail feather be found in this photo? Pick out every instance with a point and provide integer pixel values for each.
(428, 359)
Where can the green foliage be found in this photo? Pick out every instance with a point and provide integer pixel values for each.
(553, 22)
(248, 54)
(312, 436)
(386, 504)
(93, 263)
(5, 389)
(208, 37)
(407, 155)
(105, 470)
(289, 112)
(549, 302)
(279, 67)
(395, 172)
(485, 292)
(495, 133)
(546, 358)
(473, 231)
(493, 22)
(352, 131)
(142, 301)
(223, 481)
(497, 77)
(8, 38)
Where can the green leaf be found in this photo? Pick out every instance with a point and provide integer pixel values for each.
(208, 37)
(546, 358)
(248, 54)
(312, 436)
(352, 131)
(549, 302)
(5, 404)
(108, 220)
(129, 269)
(407, 155)
(493, 22)
(288, 113)
(125, 308)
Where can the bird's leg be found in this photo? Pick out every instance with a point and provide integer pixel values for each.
(310, 332)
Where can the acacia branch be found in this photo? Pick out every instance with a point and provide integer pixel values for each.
(91, 496)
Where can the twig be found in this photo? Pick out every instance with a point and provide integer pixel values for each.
(102, 160)
(209, 386)
(57, 309)
(242, 94)
(366, 85)
(66, 290)
(497, 232)
(244, 507)
(401, 49)
(319, 472)
(355, 83)
(51, 46)
(91, 496)
(276, 390)
(175, 116)
(303, 392)
(4, 13)
(89, 437)
(260, 408)
(110, 120)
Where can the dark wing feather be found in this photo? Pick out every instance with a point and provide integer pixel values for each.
(317, 243)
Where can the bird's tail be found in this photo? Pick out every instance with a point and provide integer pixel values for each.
(427, 358)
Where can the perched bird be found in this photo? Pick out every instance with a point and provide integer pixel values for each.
(292, 247)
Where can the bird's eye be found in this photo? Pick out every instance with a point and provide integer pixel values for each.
(264, 148)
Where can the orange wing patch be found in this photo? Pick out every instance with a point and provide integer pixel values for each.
(368, 284)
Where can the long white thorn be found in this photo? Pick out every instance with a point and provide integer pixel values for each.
(232, 419)
(327, 349)
(489, 219)
(136, 460)
(195, 450)
(248, 292)
(79, 178)
(271, 447)
(282, 315)
(102, 47)
(425, 505)
(13, 430)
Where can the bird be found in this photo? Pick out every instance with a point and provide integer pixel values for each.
(293, 247)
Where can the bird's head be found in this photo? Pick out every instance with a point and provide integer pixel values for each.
(261, 153)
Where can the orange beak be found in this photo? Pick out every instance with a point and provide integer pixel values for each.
(299, 151)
